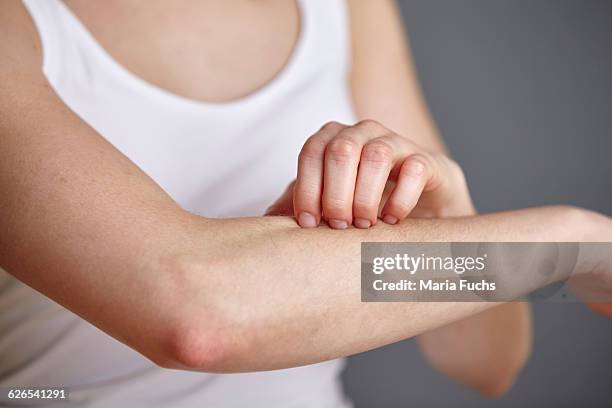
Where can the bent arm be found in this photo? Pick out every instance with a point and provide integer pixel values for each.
(280, 296)
(83, 225)
(86, 228)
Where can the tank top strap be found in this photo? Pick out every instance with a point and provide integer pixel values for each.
(71, 52)
(330, 33)
(47, 18)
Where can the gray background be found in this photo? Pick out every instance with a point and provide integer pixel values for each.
(522, 92)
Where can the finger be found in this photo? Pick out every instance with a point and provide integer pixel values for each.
(309, 183)
(389, 187)
(284, 205)
(414, 175)
(378, 157)
(342, 157)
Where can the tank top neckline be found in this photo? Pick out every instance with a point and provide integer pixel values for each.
(289, 70)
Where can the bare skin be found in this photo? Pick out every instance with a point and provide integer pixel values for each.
(72, 228)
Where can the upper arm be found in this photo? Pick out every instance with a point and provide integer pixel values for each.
(79, 222)
(384, 83)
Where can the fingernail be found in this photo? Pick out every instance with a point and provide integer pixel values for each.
(338, 224)
(307, 220)
(362, 223)
(389, 219)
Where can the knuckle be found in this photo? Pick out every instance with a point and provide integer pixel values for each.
(448, 171)
(454, 167)
(416, 165)
(399, 208)
(333, 205)
(305, 191)
(342, 148)
(331, 126)
(369, 124)
(364, 205)
(378, 152)
(313, 148)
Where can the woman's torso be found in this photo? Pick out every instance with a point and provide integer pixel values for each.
(231, 156)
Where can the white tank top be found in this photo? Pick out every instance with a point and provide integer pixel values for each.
(183, 145)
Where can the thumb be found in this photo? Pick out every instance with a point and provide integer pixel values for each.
(284, 205)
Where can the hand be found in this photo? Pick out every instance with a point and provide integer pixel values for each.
(354, 174)
(589, 285)
(592, 281)
(597, 284)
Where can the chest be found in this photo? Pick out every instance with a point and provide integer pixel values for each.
(215, 159)
(211, 50)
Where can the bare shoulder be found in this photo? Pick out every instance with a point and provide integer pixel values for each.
(22, 83)
(20, 49)
(373, 15)
(377, 33)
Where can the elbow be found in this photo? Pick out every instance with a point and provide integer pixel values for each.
(501, 379)
(496, 376)
(496, 387)
(494, 381)
(202, 333)
(188, 346)
(194, 348)
(208, 341)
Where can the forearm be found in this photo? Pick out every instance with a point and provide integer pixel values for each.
(92, 232)
(266, 294)
(246, 294)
